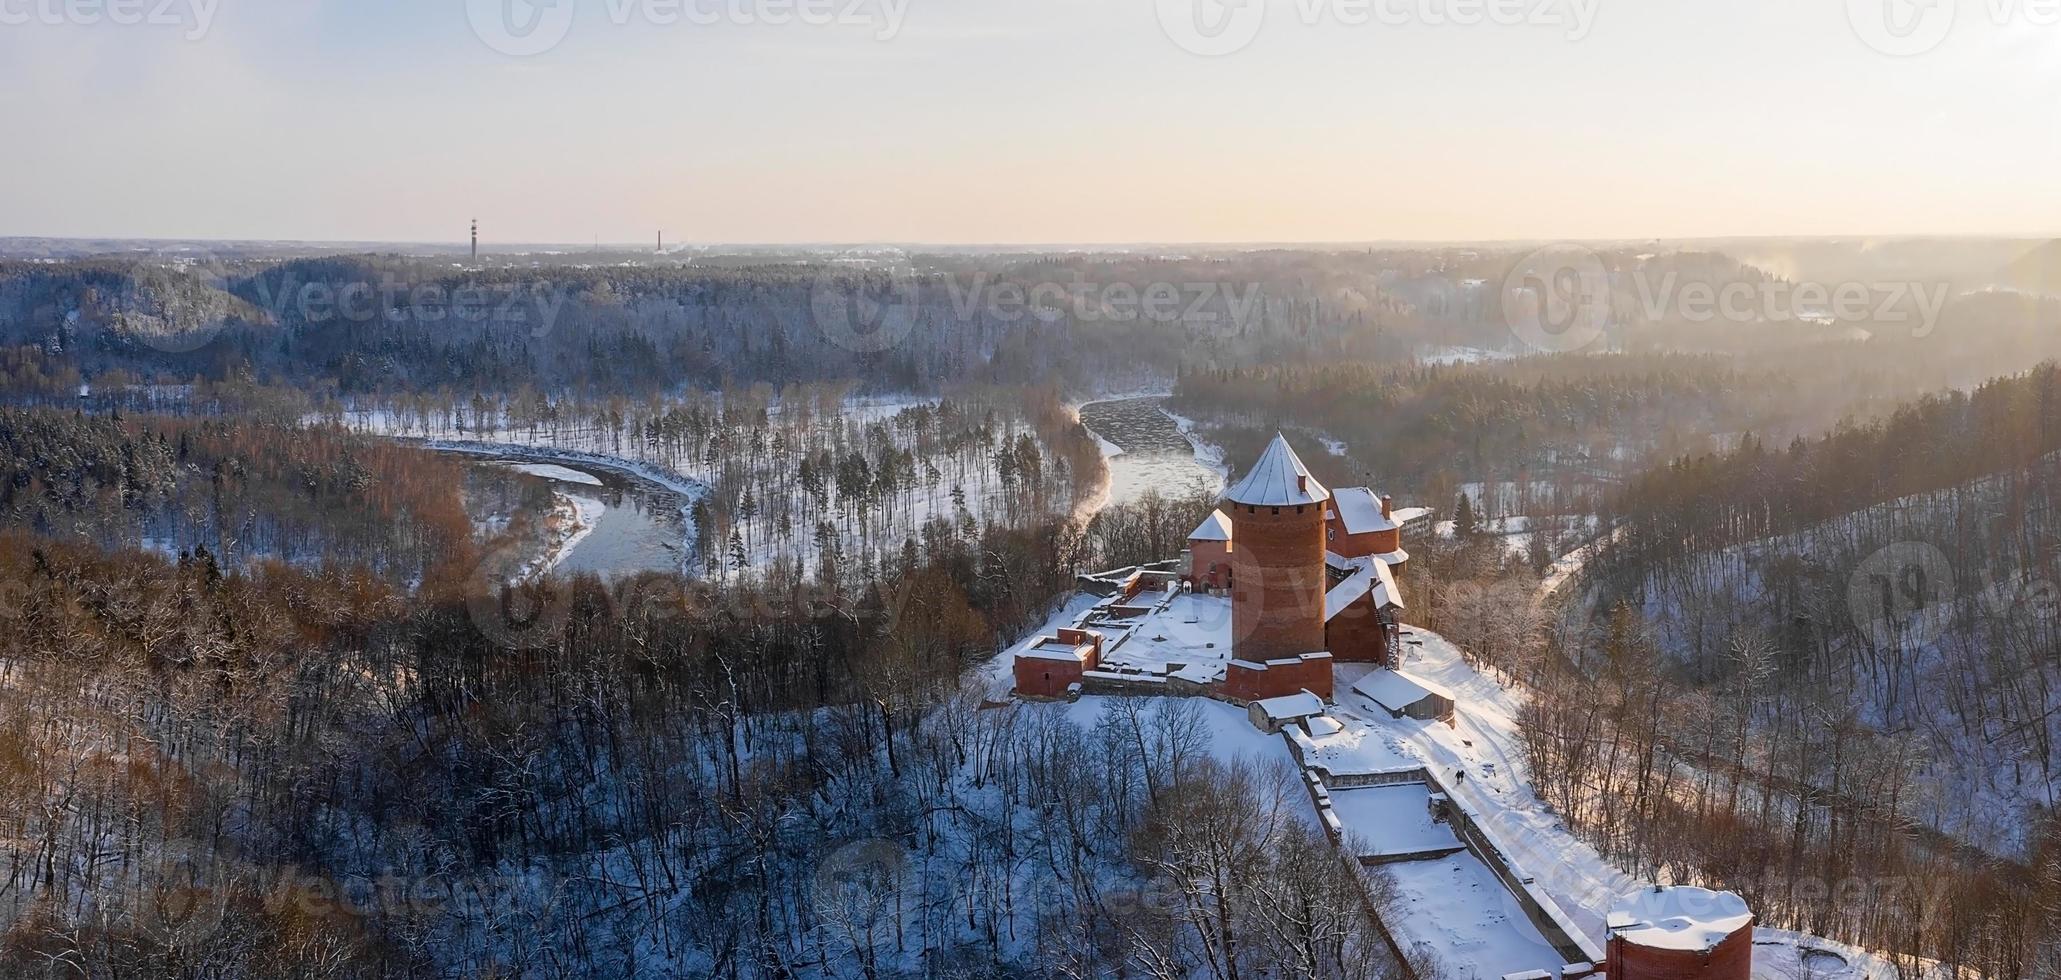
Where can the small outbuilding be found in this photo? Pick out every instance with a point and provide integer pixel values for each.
(1271, 715)
(1054, 666)
(1405, 696)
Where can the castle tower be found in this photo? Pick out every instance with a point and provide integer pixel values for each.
(1277, 558)
(1680, 933)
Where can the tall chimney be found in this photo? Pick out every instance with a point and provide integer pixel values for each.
(475, 239)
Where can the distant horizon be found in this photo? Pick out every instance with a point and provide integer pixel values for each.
(487, 247)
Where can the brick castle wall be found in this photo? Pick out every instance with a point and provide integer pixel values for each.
(1357, 635)
(1360, 545)
(1210, 564)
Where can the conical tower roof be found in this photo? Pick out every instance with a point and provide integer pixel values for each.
(1278, 480)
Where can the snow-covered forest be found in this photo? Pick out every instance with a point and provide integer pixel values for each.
(404, 748)
(804, 481)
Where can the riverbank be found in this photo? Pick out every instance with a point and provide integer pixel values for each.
(688, 491)
(1144, 448)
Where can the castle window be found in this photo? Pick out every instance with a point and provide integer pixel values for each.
(1277, 512)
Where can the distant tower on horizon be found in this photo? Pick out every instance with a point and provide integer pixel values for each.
(475, 239)
(661, 241)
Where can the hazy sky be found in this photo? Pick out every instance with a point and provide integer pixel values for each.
(1028, 120)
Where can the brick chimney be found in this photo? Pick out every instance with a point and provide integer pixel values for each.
(1387, 506)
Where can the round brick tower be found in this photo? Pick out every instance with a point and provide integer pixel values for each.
(1680, 934)
(1277, 558)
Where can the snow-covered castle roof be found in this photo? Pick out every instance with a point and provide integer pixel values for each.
(1278, 480)
(1360, 511)
(1215, 527)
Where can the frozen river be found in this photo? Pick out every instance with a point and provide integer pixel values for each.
(1155, 453)
(638, 528)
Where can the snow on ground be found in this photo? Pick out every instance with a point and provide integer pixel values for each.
(1231, 735)
(1982, 783)
(553, 471)
(1484, 744)
(999, 675)
(1359, 747)
(572, 518)
(1569, 565)
(1384, 821)
(587, 444)
(1456, 908)
(1464, 917)
(688, 490)
(1779, 954)
(1208, 454)
(1231, 740)
(1460, 355)
(1190, 630)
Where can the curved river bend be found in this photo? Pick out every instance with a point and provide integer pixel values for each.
(1156, 454)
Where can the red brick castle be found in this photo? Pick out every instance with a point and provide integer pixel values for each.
(1310, 573)
(1283, 579)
